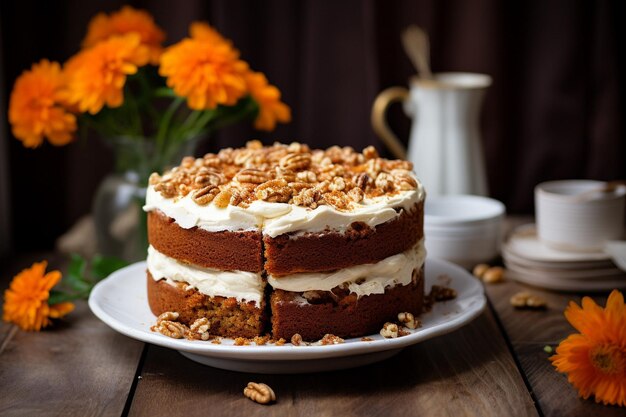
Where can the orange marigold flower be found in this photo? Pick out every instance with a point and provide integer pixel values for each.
(97, 76)
(205, 32)
(205, 71)
(127, 20)
(26, 300)
(271, 109)
(35, 109)
(595, 359)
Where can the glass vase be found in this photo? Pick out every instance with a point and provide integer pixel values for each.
(120, 221)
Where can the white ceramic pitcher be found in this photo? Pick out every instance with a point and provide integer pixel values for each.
(445, 144)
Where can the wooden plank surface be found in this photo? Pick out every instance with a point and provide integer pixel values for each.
(81, 367)
(466, 373)
(528, 333)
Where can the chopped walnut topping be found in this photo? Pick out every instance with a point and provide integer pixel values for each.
(259, 393)
(205, 195)
(340, 177)
(384, 181)
(389, 330)
(525, 299)
(253, 176)
(222, 199)
(306, 176)
(337, 199)
(295, 161)
(440, 293)
(370, 152)
(274, 191)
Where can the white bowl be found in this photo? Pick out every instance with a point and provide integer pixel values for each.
(455, 210)
(463, 229)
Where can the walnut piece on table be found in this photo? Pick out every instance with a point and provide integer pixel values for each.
(259, 392)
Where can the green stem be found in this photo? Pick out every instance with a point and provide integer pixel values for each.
(165, 124)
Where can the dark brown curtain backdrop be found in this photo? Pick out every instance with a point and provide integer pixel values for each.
(554, 110)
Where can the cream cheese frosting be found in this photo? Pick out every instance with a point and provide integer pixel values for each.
(278, 218)
(244, 286)
(361, 279)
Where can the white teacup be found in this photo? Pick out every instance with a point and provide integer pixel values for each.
(571, 217)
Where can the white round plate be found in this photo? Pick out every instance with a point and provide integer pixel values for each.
(525, 243)
(121, 302)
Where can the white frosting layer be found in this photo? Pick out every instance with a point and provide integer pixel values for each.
(278, 218)
(373, 278)
(244, 286)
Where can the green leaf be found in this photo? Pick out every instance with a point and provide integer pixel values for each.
(164, 92)
(75, 277)
(102, 267)
(57, 297)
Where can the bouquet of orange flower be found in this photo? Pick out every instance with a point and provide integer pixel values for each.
(151, 103)
(124, 83)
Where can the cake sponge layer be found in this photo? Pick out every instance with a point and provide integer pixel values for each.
(227, 316)
(344, 315)
(227, 251)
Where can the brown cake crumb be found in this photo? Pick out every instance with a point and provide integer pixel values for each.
(402, 331)
(280, 342)
(217, 341)
(261, 340)
(330, 339)
(441, 293)
(241, 341)
(367, 339)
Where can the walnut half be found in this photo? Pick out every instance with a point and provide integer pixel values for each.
(259, 392)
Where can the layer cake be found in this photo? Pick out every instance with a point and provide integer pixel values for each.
(286, 238)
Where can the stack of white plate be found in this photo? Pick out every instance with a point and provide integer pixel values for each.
(463, 229)
(530, 261)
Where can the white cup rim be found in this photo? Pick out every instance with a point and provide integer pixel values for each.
(453, 81)
(547, 190)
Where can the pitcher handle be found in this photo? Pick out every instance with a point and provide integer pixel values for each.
(379, 121)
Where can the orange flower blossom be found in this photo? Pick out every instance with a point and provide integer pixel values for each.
(127, 20)
(271, 109)
(26, 300)
(595, 359)
(205, 69)
(205, 32)
(35, 109)
(96, 76)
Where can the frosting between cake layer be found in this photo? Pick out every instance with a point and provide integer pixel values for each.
(244, 286)
(371, 278)
(278, 218)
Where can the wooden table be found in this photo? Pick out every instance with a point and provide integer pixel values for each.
(495, 366)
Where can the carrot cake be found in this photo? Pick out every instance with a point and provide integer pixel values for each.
(286, 238)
